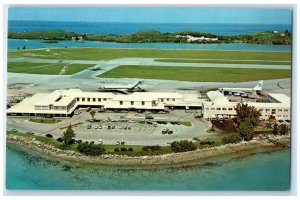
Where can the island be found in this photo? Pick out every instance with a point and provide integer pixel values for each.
(272, 37)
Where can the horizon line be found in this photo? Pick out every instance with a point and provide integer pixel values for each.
(147, 22)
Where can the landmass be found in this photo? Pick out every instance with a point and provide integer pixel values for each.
(151, 36)
(172, 159)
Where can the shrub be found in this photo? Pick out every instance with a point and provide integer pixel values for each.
(183, 146)
(116, 150)
(123, 149)
(246, 130)
(130, 149)
(79, 141)
(59, 139)
(207, 142)
(91, 149)
(231, 139)
(151, 148)
(49, 135)
(283, 129)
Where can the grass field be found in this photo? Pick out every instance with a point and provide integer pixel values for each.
(106, 53)
(45, 68)
(44, 120)
(197, 74)
(225, 61)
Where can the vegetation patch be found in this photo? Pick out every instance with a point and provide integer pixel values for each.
(114, 53)
(72, 125)
(197, 74)
(225, 61)
(44, 120)
(186, 123)
(45, 68)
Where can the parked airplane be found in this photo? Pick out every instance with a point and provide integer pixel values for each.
(122, 88)
(95, 68)
(243, 91)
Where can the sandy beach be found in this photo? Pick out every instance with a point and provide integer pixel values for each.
(173, 159)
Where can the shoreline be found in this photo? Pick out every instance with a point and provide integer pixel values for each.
(172, 159)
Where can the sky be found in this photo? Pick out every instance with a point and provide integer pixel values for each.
(154, 15)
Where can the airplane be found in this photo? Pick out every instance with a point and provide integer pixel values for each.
(95, 68)
(122, 88)
(243, 91)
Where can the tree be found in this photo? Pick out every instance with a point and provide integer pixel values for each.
(183, 146)
(18, 48)
(24, 47)
(68, 136)
(247, 113)
(93, 113)
(231, 139)
(246, 130)
(275, 129)
(283, 129)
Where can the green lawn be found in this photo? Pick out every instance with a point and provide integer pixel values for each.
(45, 68)
(224, 61)
(197, 74)
(113, 53)
(44, 120)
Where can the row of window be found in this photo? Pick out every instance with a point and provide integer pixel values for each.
(132, 103)
(219, 109)
(162, 100)
(274, 110)
(91, 99)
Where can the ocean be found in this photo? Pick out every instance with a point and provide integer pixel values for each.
(126, 28)
(259, 170)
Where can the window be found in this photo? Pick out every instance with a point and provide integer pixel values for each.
(273, 110)
(173, 99)
(94, 99)
(83, 99)
(132, 102)
(218, 108)
(279, 110)
(162, 100)
(78, 99)
(143, 103)
(88, 99)
(230, 109)
(212, 108)
(206, 108)
(99, 99)
(104, 99)
(260, 110)
(286, 110)
(267, 110)
(279, 115)
(121, 102)
(224, 109)
(167, 99)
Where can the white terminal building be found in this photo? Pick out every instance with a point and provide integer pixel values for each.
(62, 103)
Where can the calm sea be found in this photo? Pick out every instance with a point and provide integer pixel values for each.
(125, 28)
(262, 170)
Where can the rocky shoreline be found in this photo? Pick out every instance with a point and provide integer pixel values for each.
(172, 159)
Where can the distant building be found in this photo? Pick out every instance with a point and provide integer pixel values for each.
(277, 105)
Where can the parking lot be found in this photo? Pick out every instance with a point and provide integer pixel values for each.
(128, 127)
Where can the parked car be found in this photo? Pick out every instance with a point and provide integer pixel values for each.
(118, 143)
(170, 132)
(132, 121)
(96, 127)
(14, 130)
(149, 117)
(30, 132)
(165, 130)
(100, 141)
(89, 126)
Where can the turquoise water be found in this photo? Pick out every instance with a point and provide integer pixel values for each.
(13, 44)
(262, 170)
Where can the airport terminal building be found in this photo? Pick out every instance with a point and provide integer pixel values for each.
(62, 103)
(215, 105)
(219, 106)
